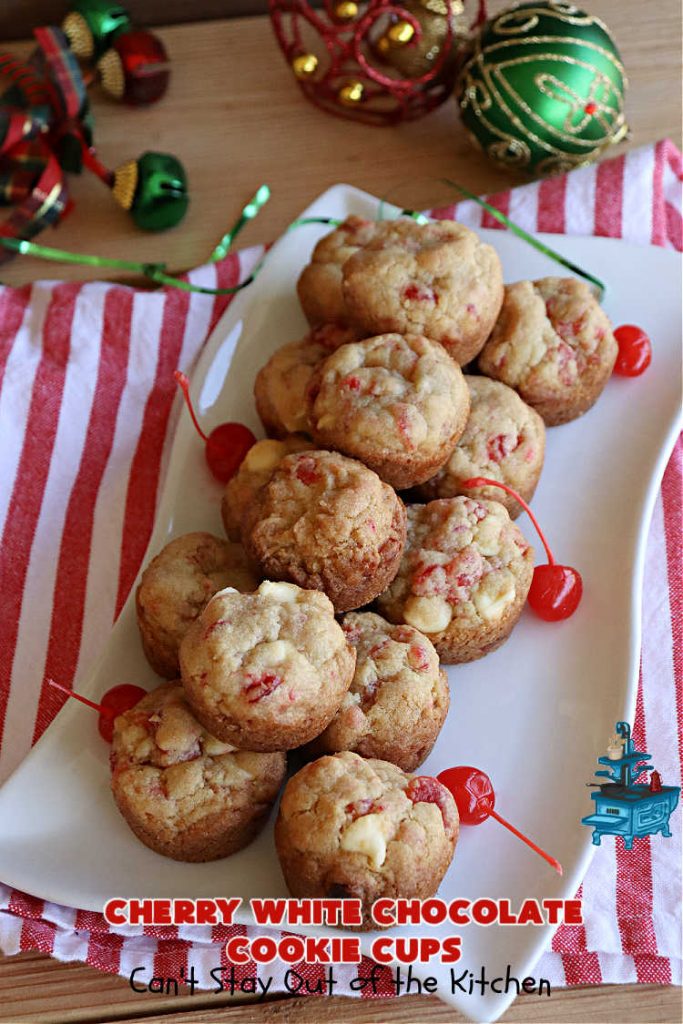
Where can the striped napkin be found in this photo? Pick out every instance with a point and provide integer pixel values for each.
(86, 396)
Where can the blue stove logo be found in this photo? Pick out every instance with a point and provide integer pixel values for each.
(626, 808)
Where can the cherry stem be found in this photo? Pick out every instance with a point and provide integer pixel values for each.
(184, 385)
(483, 481)
(107, 712)
(520, 835)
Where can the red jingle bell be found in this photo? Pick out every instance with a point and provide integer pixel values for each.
(135, 69)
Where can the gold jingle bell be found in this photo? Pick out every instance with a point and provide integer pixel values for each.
(346, 10)
(351, 94)
(400, 33)
(305, 65)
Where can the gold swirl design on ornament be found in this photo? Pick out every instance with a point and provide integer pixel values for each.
(562, 164)
(474, 93)
(588, 44)
(493, 93)
(499, 74)
(560, 92)
(511, 152)
(516, 22)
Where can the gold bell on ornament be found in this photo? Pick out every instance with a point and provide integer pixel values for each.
(346, 10)
(305, 65)
(351, 94)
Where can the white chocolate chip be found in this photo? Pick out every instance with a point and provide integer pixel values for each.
(221, 593)
(495, 596)
(214, 747)
(265, 455)
(487, 535)
(184, 779)
(348, 358)
(364, 835)
(274, 652)
(285, 593)
(350, 699)
(428, 614)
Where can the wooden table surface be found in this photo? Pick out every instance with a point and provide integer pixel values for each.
(235, 118)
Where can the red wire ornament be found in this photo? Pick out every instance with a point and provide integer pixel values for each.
(343, 72)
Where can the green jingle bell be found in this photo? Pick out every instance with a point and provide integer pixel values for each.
(91, 26)
(154, 189)
(542, 88)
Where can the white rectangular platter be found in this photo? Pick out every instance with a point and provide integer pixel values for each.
(534, 715)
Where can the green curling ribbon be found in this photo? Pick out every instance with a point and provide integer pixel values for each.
(157, 271)
(529, 239)
(154, 271)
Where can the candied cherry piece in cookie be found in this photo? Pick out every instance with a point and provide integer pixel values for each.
(425, 789)
(226, 445)
(474, 796)
(635, 351)
(556, 590)
(115, 702)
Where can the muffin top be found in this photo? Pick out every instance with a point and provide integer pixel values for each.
(435, 279)
(390, 394)
(399, 696)
(179, 581)
(550, 334)
(326, 521)
(280, 386)
(255, 470)
(463, 564)
(171, 767)
(368, 813)
(267, 657)
(504, 439)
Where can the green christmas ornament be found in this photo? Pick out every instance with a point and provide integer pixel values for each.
(154, 189)
(542, 88)
(91, 26)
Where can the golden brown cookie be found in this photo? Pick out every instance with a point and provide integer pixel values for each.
(504, 440)
(398, 403)
(268, 670)
(349, 827)
(184, 793)
(328, 523)
(175, 587)
(280, 385)
(319, 286)
(435, 279)
(554, 344)
(255, 470)
(398, 699)
(464, 577)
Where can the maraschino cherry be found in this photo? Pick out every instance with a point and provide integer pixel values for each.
(635, 351)
(115, 702)
(473, 793)
(555, 590)
(226, 445)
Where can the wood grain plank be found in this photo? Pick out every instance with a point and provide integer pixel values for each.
(235, 117)
(646, 1005)
(36, 988)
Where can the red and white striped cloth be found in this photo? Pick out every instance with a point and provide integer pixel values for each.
(86, 396)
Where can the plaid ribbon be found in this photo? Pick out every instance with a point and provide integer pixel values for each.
(43, 114)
